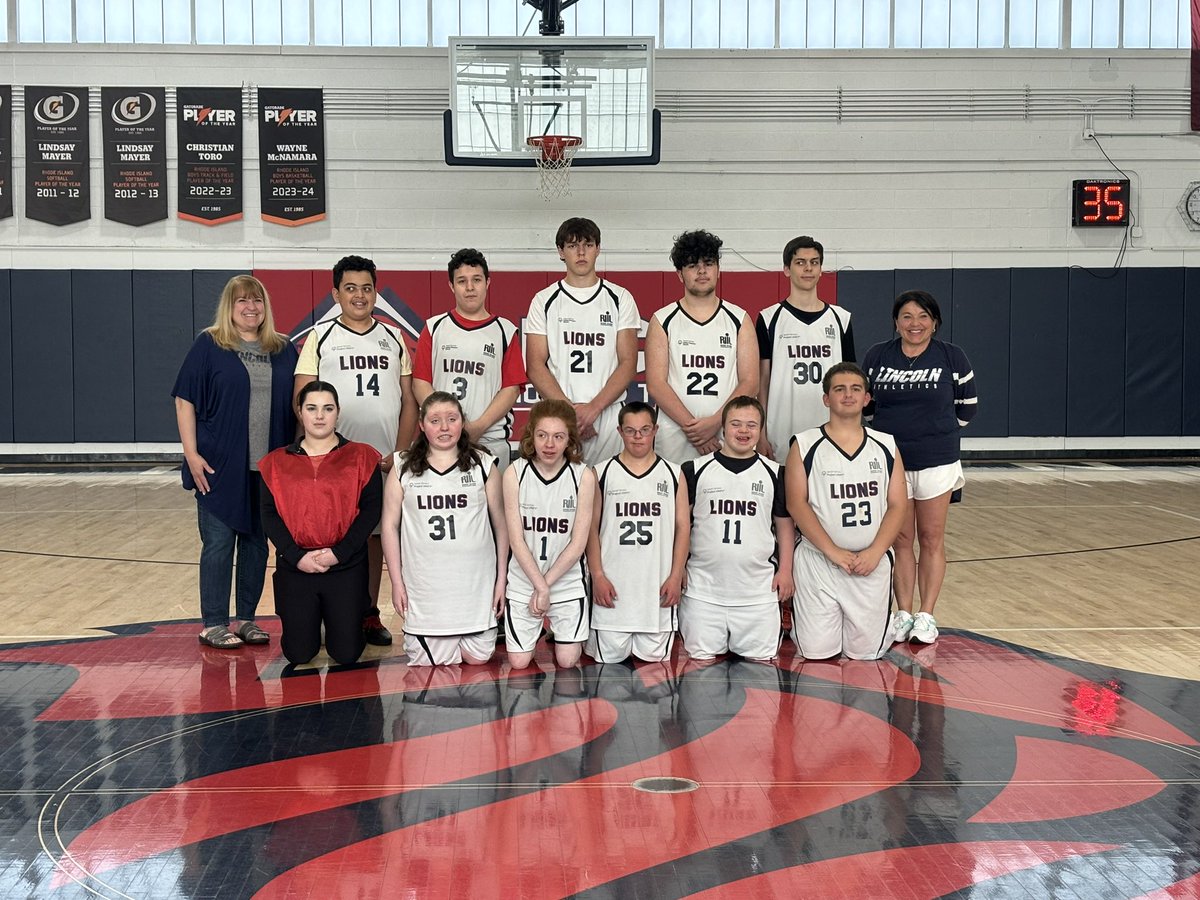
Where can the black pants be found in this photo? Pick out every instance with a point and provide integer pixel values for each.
(337, 598)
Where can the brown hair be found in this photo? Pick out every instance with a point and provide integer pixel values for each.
(553, 409)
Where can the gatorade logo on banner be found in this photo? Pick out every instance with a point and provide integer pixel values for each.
(291, 146)
(135, 154)
(209, 129)
(58, 185)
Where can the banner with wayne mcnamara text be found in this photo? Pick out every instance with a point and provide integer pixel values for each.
(209, 128)
(291, 146)
(135, 154)
(58, 185)
(6, 200)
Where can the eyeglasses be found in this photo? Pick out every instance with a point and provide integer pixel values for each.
(644, 432)
(575, 246)
(352, 289)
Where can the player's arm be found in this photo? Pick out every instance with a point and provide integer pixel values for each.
(421, 390)
(672, 588)
(784, 583)
(494, 491)
(389, 534)
(796, 480)
(306, 367)
(500, 406)
(603, 592)
(516, 542)
(657, 366)
(537, 367)
(893, 521)
(580, 530)
(616, 386)
(409, 409)
(422, 367)
(764, 382)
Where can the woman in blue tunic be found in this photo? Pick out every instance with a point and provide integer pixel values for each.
(233, 405)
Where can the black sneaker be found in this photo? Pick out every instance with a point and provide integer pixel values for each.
(375, 632)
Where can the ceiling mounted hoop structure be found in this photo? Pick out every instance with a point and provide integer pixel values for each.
(553, 155)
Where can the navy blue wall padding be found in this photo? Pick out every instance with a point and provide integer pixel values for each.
(6, 385)
(1037, 367)
(43, 357)
(206, 294)
(940, 283)
(981, 327)
(868, 296)
(102, 306)
(1191, 351)
(1095, 352)
(163, 332)
(1153, 351)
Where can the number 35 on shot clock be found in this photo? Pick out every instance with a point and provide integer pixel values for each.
(1099, 201)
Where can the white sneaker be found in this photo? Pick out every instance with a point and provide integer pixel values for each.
(902, 625)
(924, 628)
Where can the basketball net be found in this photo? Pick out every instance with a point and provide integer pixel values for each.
(554, 154)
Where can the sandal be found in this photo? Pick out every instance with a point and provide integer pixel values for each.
(252, 634)
(221, 637)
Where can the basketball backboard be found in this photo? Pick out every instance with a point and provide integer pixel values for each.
(505, 90)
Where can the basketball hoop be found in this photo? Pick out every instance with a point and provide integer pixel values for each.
(553, 154)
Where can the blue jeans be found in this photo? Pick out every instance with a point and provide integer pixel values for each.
(216, 564)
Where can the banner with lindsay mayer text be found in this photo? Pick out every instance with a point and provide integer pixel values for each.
(58, 186)
(291, 147)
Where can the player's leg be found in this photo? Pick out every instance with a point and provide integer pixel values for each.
(609, 646)
(299, 610)
(816, 613)
(343, 598)
(705, 628)
(373, 630)
(432, 650)
(570, 623)
(477, 649)
(522, 630)
(653, 646)
(866, 602)
(754, 631)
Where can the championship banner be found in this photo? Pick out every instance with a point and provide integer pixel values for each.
(6, 200)
(291, 146)
(57, 178)
(135, 154)
(209, 128)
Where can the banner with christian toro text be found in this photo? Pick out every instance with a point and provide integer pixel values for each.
(134, 125)
(6, 200)
(57, 156)
(291, 146)
(209, 128)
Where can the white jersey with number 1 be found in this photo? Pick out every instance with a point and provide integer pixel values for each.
(547, 519)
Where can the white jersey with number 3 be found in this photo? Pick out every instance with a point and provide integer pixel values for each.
(637, 537)
(448, 549)
(547, 520)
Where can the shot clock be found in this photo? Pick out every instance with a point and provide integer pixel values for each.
(1099, 202)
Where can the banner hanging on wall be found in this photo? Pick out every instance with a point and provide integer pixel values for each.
(6, 200)
(135, 154)
(57, 178)
(291, 147)
(209, 128)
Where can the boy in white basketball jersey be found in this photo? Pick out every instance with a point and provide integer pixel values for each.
(581, 340)
(740, 568)
(473, 355)
(368, 364)
(638, 546)
(700, 351)
(799, 338)
(847, 495)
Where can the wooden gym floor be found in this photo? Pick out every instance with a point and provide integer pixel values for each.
(1047, 745)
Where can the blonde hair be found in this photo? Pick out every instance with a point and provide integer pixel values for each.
(223, 332)
(553, 409)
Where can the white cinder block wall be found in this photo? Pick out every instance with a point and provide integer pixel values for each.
(893, 159)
